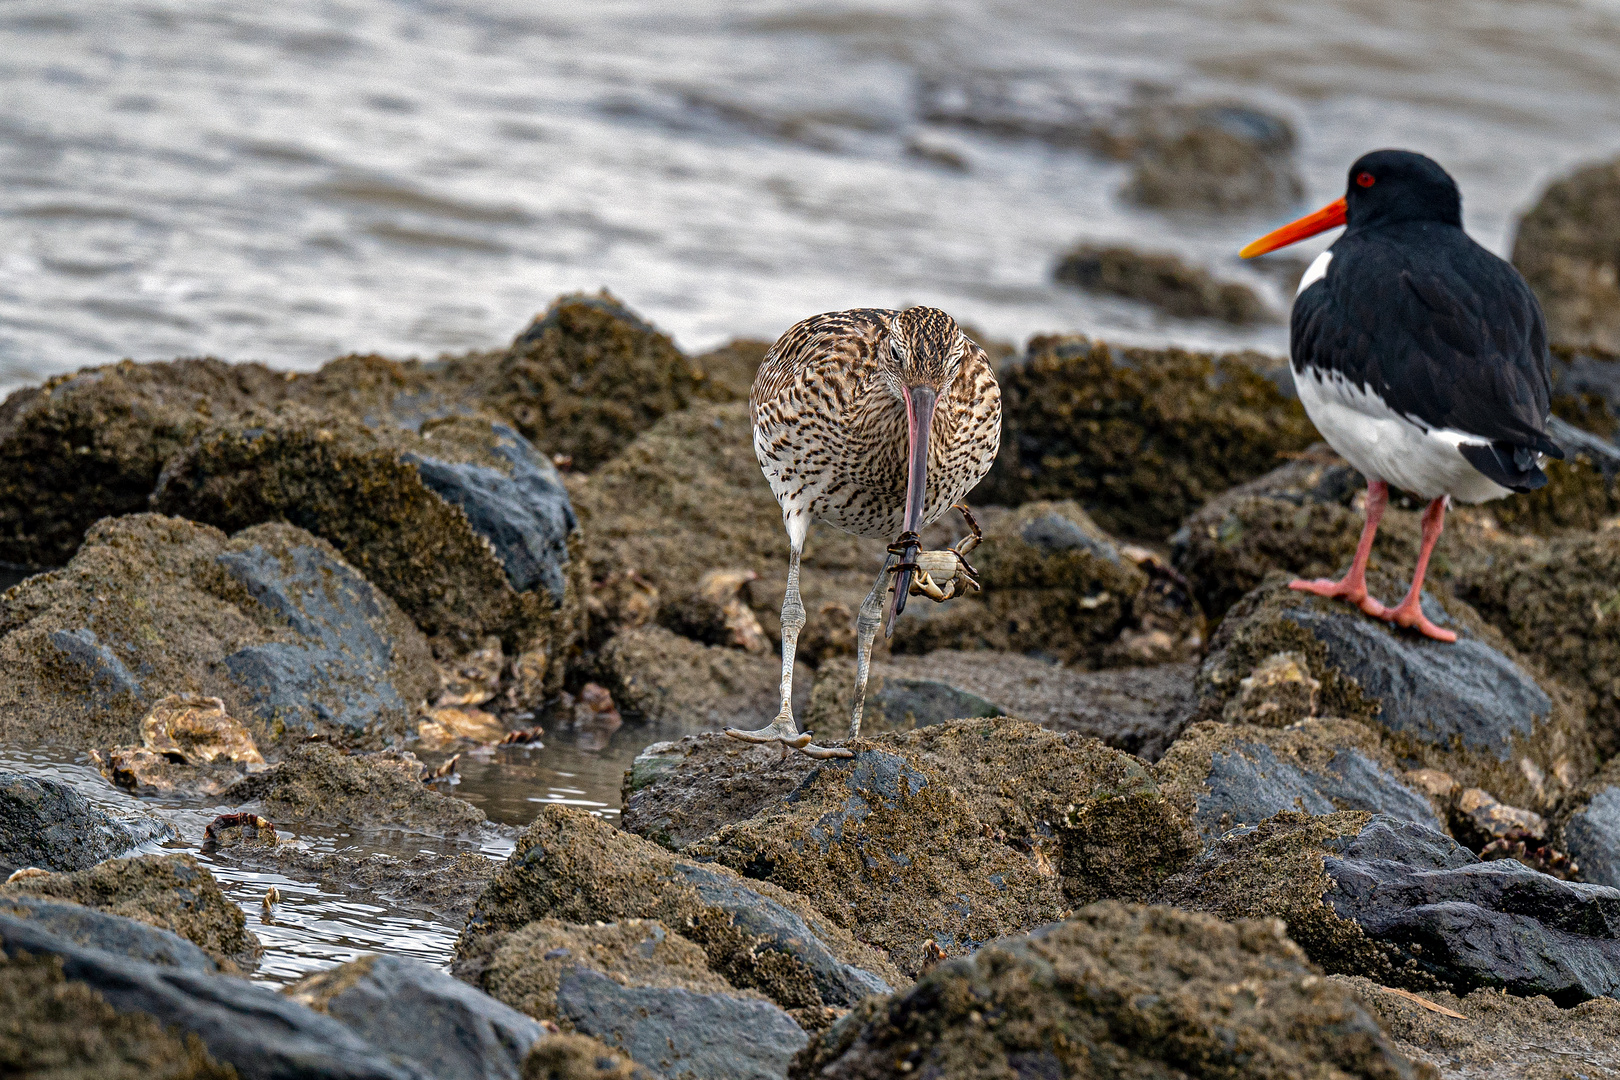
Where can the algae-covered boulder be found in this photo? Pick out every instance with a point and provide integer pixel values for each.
(1140, 710)
(1568, 248)
(1558, 600)
(109, 933)
(675, 685)
(1118, 990)
(1407, 906)
(934, 841)
(579, 869)
(642, 989)
(1228, 775)
(1582, 492)
(1488, 1034)
(1138, 437)
(319, 783)
(271, 621)
(419, 1013)
(580, 1057)
(465, 525)
(1588, 827)
(61, 1028)
(1056, 585)
(1470, 709)
(1162, 280)
(90, 445)
(170, 892)
(584, 378)
(678, 792)
(1219, 156)
(728, 371)
(46, 824)
(1303, 517)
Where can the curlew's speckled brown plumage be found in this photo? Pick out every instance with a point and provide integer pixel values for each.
(876, 422)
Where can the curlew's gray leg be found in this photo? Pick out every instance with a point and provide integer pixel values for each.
(783, 729)
(866, 628)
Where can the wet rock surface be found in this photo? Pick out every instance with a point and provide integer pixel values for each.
(1408, 906)
(1120, 990)
(317, 782)
(170, 892)
(442, 885)
(45, 823)
(272, 621)
(1567, 248)
(1140, 438)
(465, 525)
(1590, 827)
(1160, 280)
(1469, 709)
(1140, 710)
(419, 1013)
(1231, 775)
(576, 868)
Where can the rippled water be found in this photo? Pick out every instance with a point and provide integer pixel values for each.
(314, 927)
(285, 182)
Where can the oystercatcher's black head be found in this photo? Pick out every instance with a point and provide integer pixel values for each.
(1390, 186)
(1385, 187)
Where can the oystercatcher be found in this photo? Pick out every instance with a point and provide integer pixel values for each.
(1419, 356)
(875, 422)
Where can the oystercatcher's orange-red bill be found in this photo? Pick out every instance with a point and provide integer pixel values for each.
(1330, 216)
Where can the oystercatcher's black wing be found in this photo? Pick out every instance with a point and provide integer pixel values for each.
(1444, 332)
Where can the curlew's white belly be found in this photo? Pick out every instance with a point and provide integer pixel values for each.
(1385, 445)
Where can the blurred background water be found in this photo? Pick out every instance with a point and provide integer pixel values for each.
(287, 182)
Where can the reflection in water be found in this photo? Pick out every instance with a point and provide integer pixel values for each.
(313, 927)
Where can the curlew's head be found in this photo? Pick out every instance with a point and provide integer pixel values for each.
(922, 356)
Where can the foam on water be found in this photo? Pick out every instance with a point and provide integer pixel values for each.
(288, 182)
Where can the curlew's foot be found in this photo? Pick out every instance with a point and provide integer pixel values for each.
(1409, 613)
(1354, 592)
(824, 752)
(781, 730)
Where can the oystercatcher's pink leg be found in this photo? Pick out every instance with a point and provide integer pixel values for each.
(1409, 612)
(1353, 586)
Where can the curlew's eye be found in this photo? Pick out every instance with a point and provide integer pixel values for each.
(1366, 179)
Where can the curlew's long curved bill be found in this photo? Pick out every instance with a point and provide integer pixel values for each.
(1330, 216)
(920, 401)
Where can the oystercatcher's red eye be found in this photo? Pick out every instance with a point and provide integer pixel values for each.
(1366, 179)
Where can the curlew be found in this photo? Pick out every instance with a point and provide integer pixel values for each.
(1419, 356)
(876, 422)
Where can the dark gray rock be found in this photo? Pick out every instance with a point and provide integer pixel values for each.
(1437, 693)
(526, 516)
(420, 1013)
(1251, 784)
(110, 933)
(1592, 838)
(99, 668)
(340, 666)
(1472, 924)
(47, 824)
(677, 1032)
(264, 1035)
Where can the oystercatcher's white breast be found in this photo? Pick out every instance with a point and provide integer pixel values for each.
(1385, 445)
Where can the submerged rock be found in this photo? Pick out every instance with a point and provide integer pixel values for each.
(1140, 710)
(441, 885)
(577, 868)
(1229, 775)
(421, 1014)
(47, 824)
(1408, 906)
(170, 892)
(272, 622)
(642, 989)
(1163, 281)
(61, 1028)
(1568, 248)
(1556, 601)
(935, 841)
(1138, 437)
(319, 783)
(1117, 990)
(464, 525)
(1469, 709)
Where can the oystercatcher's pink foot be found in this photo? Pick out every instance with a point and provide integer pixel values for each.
(1409, 613)
(1345, 589)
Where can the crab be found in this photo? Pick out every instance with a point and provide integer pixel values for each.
(949, 566)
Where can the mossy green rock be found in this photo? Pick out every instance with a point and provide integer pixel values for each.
(1119, 990)
(1138, 437)
(171, 892)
